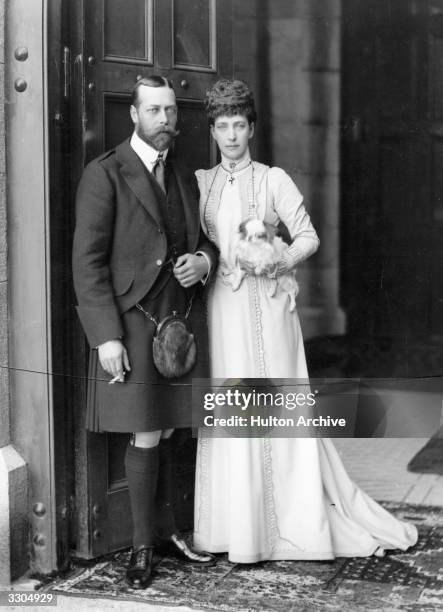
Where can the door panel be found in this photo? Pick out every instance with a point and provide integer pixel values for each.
(435, 45)
(391, 188)
(121, 17)
(117, 122)
(122, 47)
(193, 126)
(189, 42)
(194, 35)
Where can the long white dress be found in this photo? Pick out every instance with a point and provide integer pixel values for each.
(272, 498)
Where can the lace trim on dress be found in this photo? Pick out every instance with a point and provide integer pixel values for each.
(277, 544)
(254, 299)
(270, 513)
(251, 186)
(256, 325)
(204, 500)
(214, 183)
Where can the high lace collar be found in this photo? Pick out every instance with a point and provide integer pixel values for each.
(235, 166)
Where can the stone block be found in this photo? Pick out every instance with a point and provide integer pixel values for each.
(328, 255)
(318, 9)
(325, 98)
(285, 53)
(303, 9)
(2, 120)
(321, 48)
(283, 9)
(3, 234)
(319, 149)
(323, 198)
(2, 31)
(321, 321)
(5, 433)
(14, 524)
(245, 44)
(245, 9)
(318, 100)
(285, 139)
(3, 324)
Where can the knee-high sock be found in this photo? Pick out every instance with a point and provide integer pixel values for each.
(165, 523)
(142, 472)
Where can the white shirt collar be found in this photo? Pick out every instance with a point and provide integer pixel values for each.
(147, 154)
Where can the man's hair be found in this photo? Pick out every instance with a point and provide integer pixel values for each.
(154, 80)
(230, 98)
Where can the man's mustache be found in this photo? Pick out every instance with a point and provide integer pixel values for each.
(169, 130)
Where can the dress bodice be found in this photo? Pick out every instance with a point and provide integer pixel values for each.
(264, 193)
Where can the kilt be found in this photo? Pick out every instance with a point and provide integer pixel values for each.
(147, 401)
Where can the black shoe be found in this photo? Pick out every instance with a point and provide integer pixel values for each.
(177, 546)
(139, 570)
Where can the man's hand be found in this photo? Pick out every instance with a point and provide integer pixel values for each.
(189, 269)
(114, 359)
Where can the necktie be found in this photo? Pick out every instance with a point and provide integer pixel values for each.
(159, 171)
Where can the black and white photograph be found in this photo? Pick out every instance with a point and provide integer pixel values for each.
(221, 305)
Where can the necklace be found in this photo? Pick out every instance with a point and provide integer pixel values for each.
(232, 165)
(253, 204)
(232, 169)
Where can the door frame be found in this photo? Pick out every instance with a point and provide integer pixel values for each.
(29, 271)
(91, 505)
(79, 523)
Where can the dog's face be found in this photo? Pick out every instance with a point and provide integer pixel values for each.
(256, 231)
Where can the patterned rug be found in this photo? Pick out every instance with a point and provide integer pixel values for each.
(399, 581)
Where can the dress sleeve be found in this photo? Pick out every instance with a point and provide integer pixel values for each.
(288, 204)
(201, 176)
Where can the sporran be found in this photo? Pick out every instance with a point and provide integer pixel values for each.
(174, 351)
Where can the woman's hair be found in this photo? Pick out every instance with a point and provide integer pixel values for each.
(230, 98)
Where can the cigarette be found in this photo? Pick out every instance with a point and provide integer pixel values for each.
(118, 378)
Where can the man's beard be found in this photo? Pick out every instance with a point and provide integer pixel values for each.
(162, 139)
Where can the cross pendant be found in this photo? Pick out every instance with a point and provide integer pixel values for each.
(231, 179)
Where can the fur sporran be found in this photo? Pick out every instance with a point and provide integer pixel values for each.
(174, 350)
(173, 347)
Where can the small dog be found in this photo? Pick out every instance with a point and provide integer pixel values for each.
(260, 249)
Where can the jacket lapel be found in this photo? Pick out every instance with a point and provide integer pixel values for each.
(138, 181)
(190, 206)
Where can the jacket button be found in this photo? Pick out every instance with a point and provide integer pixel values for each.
(159, 262)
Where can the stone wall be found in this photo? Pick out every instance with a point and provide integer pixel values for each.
(304, 67)
(13, 472)
(4, 378)
(4, 382)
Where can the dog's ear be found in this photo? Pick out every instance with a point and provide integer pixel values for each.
(271, 231)
(242, 228)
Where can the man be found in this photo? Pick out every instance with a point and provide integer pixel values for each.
(138, 243)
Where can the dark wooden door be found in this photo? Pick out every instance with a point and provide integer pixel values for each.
(392, 155)
(190, 42)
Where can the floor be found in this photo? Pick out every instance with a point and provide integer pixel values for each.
(377, 465)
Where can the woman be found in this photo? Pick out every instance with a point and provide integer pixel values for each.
(268, 498)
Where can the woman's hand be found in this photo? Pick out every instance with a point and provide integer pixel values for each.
(189, 269)
(283, 266)
(248, 266)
